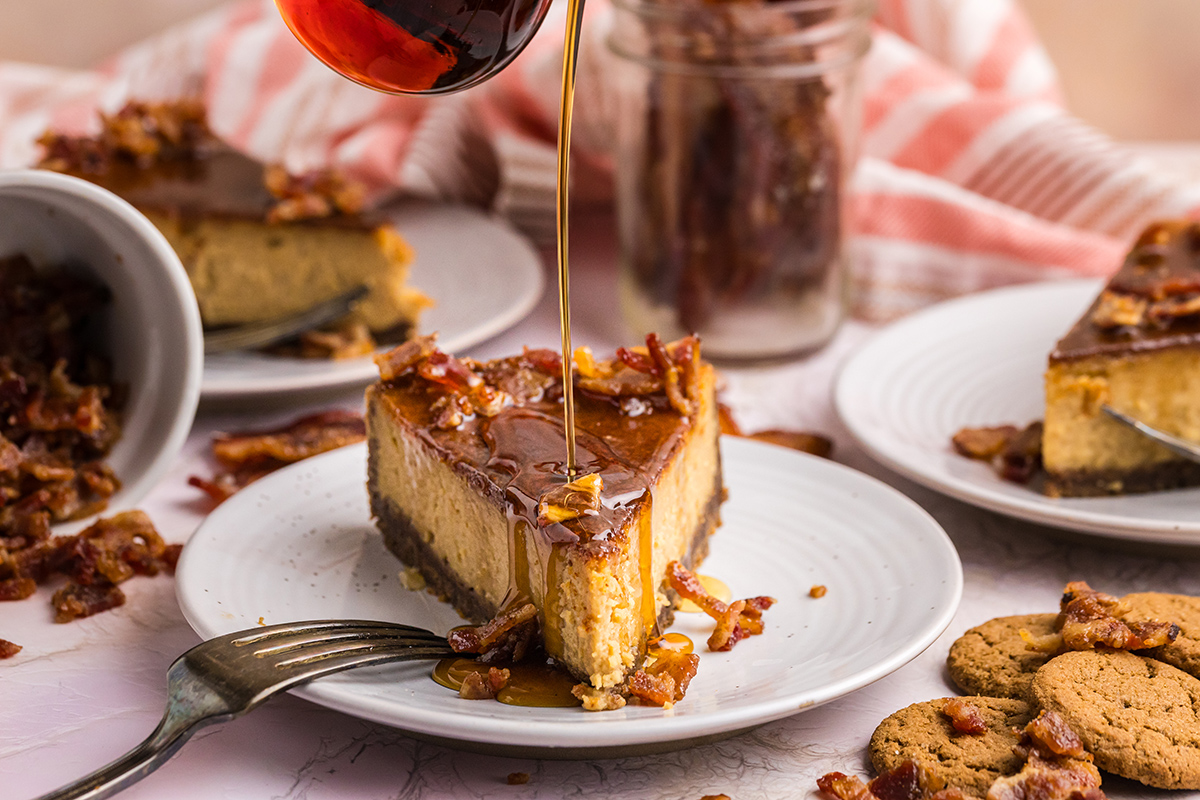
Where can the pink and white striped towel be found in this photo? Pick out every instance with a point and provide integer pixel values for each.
(972, 174)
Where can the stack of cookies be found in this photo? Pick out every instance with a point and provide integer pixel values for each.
(1127, 682)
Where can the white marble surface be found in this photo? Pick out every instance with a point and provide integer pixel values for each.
(81, 694)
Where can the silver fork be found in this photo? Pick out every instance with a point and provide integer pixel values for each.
(225, 677)
(1180, 447)
(261, 334)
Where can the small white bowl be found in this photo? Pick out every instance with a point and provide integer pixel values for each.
(150, 330)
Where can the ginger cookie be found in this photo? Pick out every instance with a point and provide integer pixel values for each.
(1138, 716)
(971, 762)
(1181, 609)
(992, 659)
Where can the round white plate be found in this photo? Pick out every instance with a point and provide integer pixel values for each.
(300, 544)
(483, 275)
(979, 361)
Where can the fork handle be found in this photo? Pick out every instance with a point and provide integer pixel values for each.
(131, 767)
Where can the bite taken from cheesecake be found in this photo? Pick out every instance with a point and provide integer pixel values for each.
(468, 483)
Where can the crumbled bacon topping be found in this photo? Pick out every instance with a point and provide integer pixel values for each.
(1057, 766)
(311, 195)
(140, 133)
(484, 685)
(247, 456)
(467, 388)
(909, 780)
(58, 413)
(1014, 453)
(107, 553)
(964, 717)
(665, 681)
(579, 498)
(1114, 310)
(508, 637)
(735, 621)
(1091, 618)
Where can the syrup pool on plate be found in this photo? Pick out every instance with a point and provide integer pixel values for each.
(414, 46)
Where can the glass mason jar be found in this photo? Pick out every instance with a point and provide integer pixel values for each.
(737, 130)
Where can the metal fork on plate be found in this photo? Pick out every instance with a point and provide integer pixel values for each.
(225, 677)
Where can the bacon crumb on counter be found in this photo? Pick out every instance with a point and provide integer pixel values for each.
(247, 456)
(107, 553)
(817, 591)
(735, 621)
(910, 780)
(8, 649)
(964, 717)
(1058, 767)
(517, 778)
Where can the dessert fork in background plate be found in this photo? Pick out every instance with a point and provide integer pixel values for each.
(261, 334)
(224, 678)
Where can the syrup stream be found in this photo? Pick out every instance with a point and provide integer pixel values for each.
(570, 58)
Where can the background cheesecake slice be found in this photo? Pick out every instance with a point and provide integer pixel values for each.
(1137, 349)
(257, 243)
(457, 474)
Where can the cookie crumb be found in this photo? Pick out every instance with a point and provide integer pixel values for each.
(818, 590)
(518, 778)
(412, 579)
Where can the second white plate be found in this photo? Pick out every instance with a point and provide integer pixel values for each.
(300, 544)
(483, 275)
(979, 361)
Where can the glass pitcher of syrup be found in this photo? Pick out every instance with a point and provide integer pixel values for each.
(415, 46)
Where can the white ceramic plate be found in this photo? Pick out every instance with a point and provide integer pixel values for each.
(300, 544)
(484, 276)
(979, 361)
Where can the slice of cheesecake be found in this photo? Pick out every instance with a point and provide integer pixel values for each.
(467, 478)
(258, 244)
(1137, 349)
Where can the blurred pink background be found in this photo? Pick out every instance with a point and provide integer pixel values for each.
(1130, 68)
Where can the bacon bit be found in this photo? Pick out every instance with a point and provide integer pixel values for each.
(484, 686)
(1047, 643)
(638, 361)
(507, 637)
(817, 591)
(984, 444)
(544, 360)
(735, 621)
(1090, 618)
(140, 133)
(909, 780)
(404, 358)
(579, 498)
(1051, 734)
(448, 372)
(311, 195)
(1114, 310)
(965, 717)
(811, 443)
(518, 778)
(9, 649)
(844, 787)
(666, 681)
(597, 699)
(74, 601)
(249, 455)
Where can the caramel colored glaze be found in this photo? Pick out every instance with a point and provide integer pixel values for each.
(539, 685)
(645, 565)
(670, 643)
(1167, 255)
(218, 183)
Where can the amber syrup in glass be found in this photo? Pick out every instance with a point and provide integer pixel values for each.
(414, 46)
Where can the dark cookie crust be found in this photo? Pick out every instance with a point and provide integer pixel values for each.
(1138, 716)
(992, 659)
(970, 762)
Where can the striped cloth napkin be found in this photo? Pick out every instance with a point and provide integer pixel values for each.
(972, 174)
